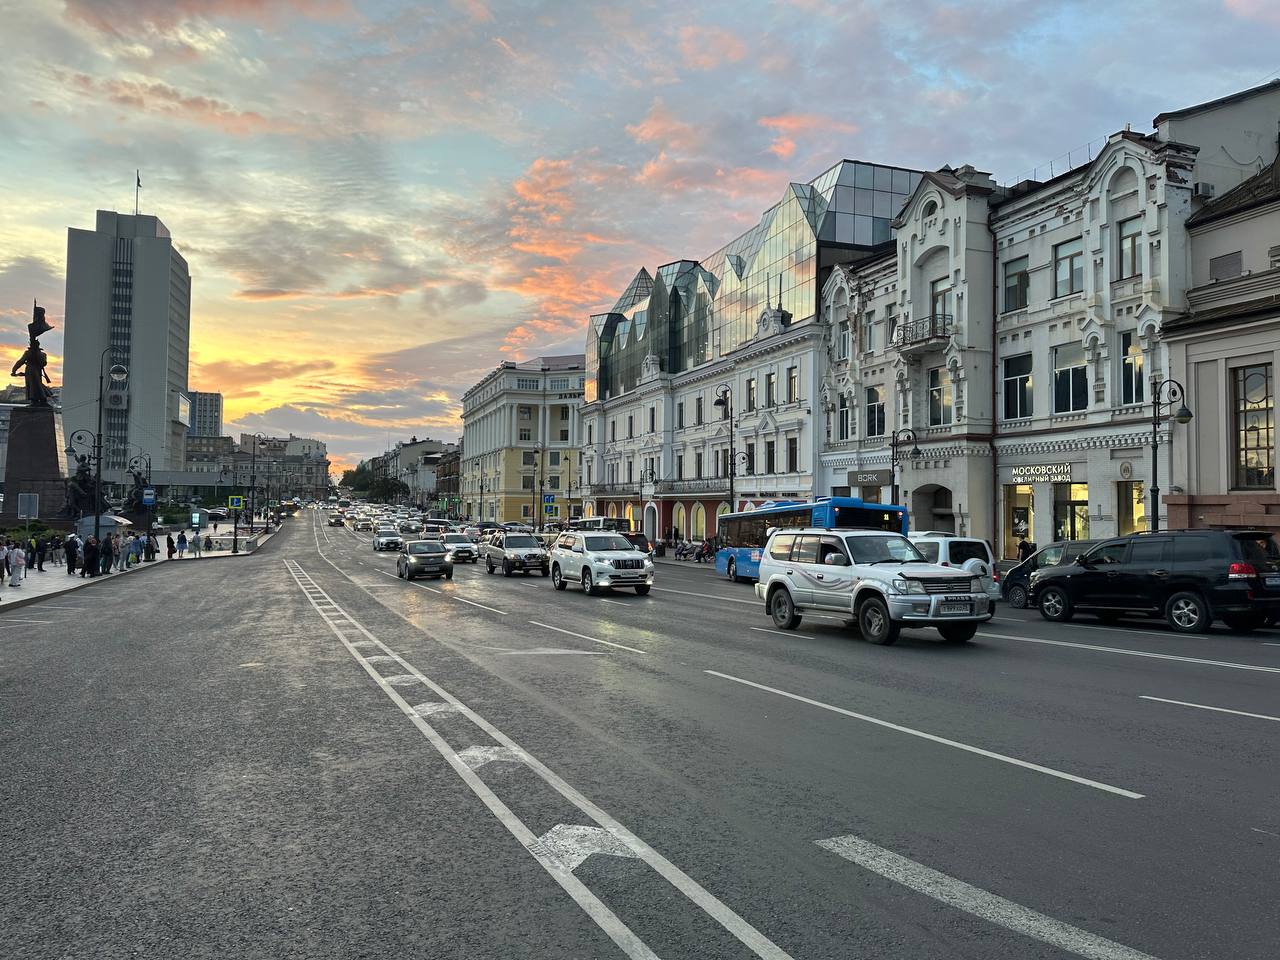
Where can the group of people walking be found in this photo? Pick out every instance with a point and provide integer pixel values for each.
(88, 556)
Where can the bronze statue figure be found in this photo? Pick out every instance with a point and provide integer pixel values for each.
(80, 492)
(133, 502)
(34, 359)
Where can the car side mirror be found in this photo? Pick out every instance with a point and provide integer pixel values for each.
(576, 548)
(837, 560)
(1083, 561)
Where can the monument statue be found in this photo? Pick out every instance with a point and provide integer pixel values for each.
(80, 492)
(34, 359)
(133, 501)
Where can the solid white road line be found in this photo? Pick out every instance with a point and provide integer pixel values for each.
(423, 586)
(782, 633)
(605, 918)
(1201, 706)
(1134, 653)
(607, 600)
(1097, 785)
(978, 902)
(709, 596)
(20, 620)
(583, 636)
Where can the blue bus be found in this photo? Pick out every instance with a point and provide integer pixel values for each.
(742, 535)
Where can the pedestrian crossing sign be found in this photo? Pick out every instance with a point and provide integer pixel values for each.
(235, 503)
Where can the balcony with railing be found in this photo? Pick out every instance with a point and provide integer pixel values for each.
(927, 333)
(713, 485)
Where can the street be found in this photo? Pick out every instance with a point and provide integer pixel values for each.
(301, 755)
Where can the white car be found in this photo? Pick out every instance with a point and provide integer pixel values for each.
(878, 579)
(970, 554)
(387, 538)
(600, 560)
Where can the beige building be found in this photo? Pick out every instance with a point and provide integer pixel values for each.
(521, 457)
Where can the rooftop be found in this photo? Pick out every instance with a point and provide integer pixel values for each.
(1262, 187)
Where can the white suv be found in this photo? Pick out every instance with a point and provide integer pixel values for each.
(600, 559)
(970, 554)
(878, 579)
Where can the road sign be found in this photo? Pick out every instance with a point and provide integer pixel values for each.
(148, 496)
(549, 508)
(235, 503)
(28, 506)
(548, 498)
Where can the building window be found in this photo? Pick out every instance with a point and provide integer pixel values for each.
(697, 411)
(940, 298)
(770, 389)
(631, 427)
(527, 383)
(553, 458)
(751, 459)
(563, 411)
(680, 415)
(553, 482)
(869, 332)
(526, 482)
(1226, 266)
(1017, 387)
(1131, 507)
(679, 466)
(793, 384)
(590, 433)
(697, 465)
(843, 428)
(1070, 386)
(613, 430)
(1017, 283)
(1130, 235)
(1273, 258)
(564, 436)
(653, 419)
(1070, 511)
(526, 413)
(751, 394)
(1068, 267)
(526, 434)
(890, 324)
(1254, 404)
(560, 383)
(1019, 516)
(770, 457)
(939, 397)
(842, 340)
(793, 455)
(1132, 384)
(631, 471)
(528, 458)
(875, 411)
(526, 510)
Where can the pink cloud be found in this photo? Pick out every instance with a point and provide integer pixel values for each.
(109, 16)
(794, 123)
(1262, 11)
(662, 127)
(705, 48)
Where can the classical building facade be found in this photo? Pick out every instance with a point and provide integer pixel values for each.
(521, 442)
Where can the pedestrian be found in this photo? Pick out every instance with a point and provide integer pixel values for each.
(119, 553)
(1024, 549)
(89, 558)
(4, 561)
(55, 551)
(150, 548)
(195, 544)
(29, 545)
(215, 526)
(18, 560)
(170, 547)
(42, 550)
(71, 549)
(104, 555)
(182, 545)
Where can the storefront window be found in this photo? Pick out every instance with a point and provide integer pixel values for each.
(871, 495)
(1071, 511)
(1254, 402)
(1131, 507)
(1019, 517)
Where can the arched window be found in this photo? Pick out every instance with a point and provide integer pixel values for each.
(699, 522)
(930, 208)
(678, 521)
(613, 510)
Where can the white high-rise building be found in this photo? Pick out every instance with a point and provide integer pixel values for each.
(128, 288)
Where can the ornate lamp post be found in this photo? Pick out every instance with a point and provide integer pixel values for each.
(137, 463)
(253, 477)
(1163, 396)
(724, 400)
(901, 438)
(119, 374)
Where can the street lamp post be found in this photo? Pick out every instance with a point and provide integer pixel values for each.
(253, 477)
(119, 373)
(724, 400)
(901, 438)
(137, 463)
(1163, 396)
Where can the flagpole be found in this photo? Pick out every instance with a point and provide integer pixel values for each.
(136, 190)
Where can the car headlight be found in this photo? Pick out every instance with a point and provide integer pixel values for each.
(907, 586)
(975, 585)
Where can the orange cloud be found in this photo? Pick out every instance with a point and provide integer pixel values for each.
(796, 123)
(783, 147)
(662, 127)
(108, 16)
(705, 48)
(156, 97)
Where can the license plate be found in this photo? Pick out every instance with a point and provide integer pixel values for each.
(956, 608)
(1273, 581)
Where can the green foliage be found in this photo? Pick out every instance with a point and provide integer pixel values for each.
(360, 479)
(387, 490)
(37, 529)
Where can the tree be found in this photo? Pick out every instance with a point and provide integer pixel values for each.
(358, 479)
(387, 490)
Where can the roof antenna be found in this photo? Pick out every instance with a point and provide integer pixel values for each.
(779, 291)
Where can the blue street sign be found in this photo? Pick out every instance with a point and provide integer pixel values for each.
(235, 503)
(548, 508)
(548, 498)
(148, 496)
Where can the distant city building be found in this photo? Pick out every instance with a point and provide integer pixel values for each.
(128, 288)
(521, 444)
(206, 414)
(448, 484)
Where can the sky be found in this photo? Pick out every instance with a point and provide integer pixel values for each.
(382, 201)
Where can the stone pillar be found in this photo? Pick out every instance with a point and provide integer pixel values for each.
(36, 464)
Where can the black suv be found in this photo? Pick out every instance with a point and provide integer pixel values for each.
(1015, 588)
(1188, 577)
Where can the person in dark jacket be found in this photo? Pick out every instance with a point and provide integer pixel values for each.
(89, 563)
(170, 546)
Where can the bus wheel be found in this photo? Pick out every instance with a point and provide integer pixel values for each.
(732, 570)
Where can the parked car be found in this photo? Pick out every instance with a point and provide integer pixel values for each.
(1015, 585)
(600, 559)
(387, 538)
(460, 548)
(515, 552)
(1187, 577)
(879, 579)
(424, 558)
(967, 553)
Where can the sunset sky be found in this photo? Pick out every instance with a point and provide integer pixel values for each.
(381, 201)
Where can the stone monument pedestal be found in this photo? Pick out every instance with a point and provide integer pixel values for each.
(36, 463)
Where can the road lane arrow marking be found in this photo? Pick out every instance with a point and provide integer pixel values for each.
(571, 844)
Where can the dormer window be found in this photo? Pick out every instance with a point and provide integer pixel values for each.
(930, 208)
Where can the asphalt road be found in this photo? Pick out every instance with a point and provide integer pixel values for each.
(299, 755)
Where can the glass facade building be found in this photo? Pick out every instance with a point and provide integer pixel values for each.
(691, 312)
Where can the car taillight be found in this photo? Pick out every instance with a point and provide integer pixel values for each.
(1241, 571)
